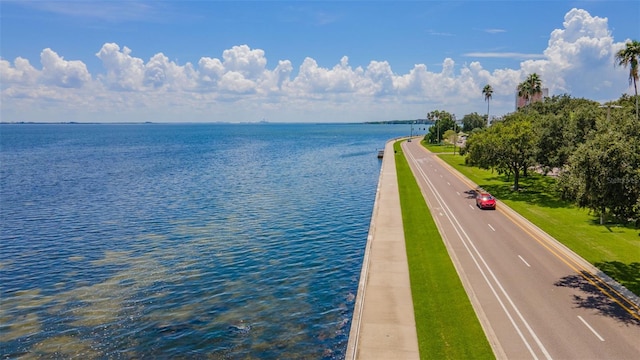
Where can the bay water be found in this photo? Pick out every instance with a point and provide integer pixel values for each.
(198, 241)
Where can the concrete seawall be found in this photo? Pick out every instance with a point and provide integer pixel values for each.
(383, 324)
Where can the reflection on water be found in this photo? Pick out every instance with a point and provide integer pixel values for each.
(187, 241)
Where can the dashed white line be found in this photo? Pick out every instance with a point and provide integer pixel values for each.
(457, 192)
(590, 328)
(524, 261)
(448, 183)
(491, 227)
(472, 208)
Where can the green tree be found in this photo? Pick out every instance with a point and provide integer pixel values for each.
(487, 91)
(551, 146)
(561, 123)
(451, 137)
(629, 56)
(529, 88)
(480, 149)
(443, 121)
(472, 121)
(507, 146)
(602, 177)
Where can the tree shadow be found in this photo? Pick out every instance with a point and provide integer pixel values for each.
(595, 299)
(528, 194)
(614, 225)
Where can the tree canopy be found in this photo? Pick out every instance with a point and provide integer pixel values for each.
(603, 173)
(443, 121)
(507, 146)
(594, 148)
(473, 121)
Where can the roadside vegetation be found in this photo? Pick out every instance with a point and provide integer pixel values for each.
(613, 248)
(446, 323)
(571, 166)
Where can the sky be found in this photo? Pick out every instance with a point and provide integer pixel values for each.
(301, 61)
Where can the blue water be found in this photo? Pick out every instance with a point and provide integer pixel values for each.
(183, 241)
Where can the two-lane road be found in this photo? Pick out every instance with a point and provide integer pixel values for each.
(534, 298)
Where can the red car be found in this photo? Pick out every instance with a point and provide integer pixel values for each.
(485, 200)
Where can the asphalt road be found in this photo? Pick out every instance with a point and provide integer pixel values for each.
(535, 299)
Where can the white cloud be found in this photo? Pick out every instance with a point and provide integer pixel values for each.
(58, 72)
(584, 46)
(314, 80)
(240, 86)
(211, 71)
(250, 63)
(380, 79)
(21, 73)
(124, 72)
(235, 82)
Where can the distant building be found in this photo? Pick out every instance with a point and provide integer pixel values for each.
(521, 101)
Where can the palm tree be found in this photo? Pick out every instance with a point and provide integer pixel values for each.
(629, 56)
(487, 91)
(529, 88)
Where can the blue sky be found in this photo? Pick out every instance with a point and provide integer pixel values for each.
(297, 61)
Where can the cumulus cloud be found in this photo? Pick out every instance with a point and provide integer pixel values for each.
(21, 73)
(59, 72)
(241, 82)
(313, 79)
(250, 63)
(584, 46)
(124, 72)
(379, 79)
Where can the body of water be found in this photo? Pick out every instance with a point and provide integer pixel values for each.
(183, 241)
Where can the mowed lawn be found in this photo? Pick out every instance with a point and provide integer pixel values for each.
(446, 323)
(613, 248)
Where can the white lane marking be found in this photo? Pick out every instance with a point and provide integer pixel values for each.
(524, 261)
(457, 192)
(491, 227)
(472, 208)
(477, 258)
(448, 183)
(590, 328)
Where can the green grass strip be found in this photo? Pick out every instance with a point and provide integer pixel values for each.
(446, 323)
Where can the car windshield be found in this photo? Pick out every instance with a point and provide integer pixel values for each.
(487, 197)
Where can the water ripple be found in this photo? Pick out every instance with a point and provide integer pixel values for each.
(183, 241)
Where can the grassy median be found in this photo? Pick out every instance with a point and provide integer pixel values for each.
(613, 248)
(446, 323)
